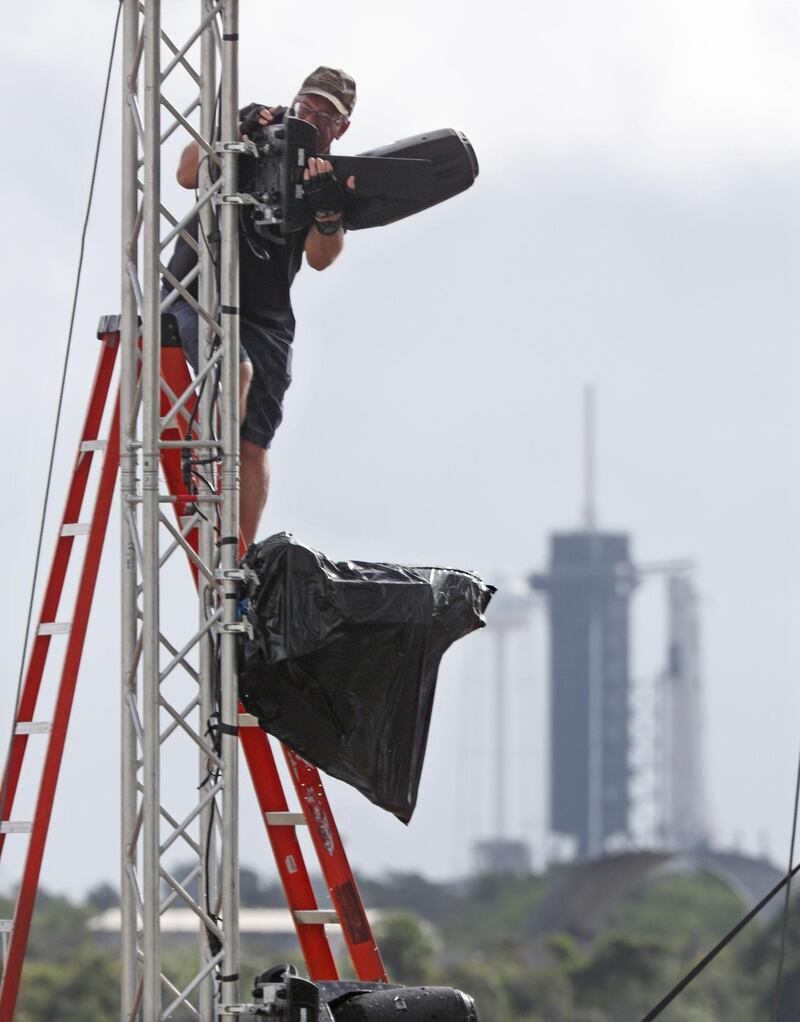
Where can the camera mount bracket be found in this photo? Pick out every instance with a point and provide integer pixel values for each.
(245, 147)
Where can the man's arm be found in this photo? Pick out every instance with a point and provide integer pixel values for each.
(322, 249)
(188, 166)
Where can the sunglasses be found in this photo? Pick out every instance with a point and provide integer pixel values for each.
(307, 113)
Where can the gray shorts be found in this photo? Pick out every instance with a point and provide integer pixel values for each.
(270, 354)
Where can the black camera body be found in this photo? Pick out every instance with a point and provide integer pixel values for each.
(274, 178)
(392, 182)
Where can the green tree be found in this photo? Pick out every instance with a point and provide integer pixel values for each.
(58, 929)
(102, 896)
(492, 910)
(478, 978)
(408, 948)
(620, 975)
(84, 988)
(680, 908)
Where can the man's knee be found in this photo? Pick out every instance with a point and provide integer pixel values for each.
(245, 378)
(253, 455)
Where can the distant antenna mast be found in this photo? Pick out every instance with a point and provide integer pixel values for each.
(596, 823)
(589, 512)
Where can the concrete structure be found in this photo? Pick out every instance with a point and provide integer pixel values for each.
(502, 855)
(588, 586)
(581, 897)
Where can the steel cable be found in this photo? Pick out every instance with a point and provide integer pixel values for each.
(785, 919)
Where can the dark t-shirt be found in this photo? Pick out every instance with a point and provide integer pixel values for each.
(266, 272)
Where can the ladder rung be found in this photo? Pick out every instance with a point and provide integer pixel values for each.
(285, 819)
(93, 445)
(33, 727)
(15, 827)
(248, 720)
(75, 529)
(316, 915)
(54, 628)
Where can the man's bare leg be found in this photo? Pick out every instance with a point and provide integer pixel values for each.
(254, 477)
(253, 488)
(245, 377)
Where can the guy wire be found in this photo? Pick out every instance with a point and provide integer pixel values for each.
(785, 914)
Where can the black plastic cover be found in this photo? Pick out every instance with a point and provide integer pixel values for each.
(344, 657)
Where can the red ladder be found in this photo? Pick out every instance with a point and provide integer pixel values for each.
(280, 822)
(309, 919)
(54, 731)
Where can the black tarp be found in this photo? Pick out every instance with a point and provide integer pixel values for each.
(343, 661)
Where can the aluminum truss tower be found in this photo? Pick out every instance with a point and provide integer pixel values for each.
(179, 680)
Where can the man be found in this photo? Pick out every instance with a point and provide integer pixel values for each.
(326, 100)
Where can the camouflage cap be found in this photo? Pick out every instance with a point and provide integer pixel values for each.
(332, 84)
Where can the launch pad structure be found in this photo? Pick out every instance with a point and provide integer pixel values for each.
(589, 585)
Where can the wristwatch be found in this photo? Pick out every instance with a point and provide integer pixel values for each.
(328, 226)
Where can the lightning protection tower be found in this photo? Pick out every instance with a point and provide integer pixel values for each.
(511, 610)
(684, 821)
(179, 683)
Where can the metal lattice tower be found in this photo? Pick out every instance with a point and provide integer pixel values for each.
(159, 666)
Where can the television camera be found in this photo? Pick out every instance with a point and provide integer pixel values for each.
(392, 181)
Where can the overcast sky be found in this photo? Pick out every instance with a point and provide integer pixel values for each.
(635, 226)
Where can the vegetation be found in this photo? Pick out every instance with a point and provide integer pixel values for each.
(479, 938)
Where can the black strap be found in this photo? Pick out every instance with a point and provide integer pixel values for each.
(229, 729)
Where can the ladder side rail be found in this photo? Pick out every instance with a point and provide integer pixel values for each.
(288, 854)
(55, 583)
(342, 888)
(41, 822)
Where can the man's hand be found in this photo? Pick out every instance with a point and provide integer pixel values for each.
(325, 197)
(254, 117)
(323, 189)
